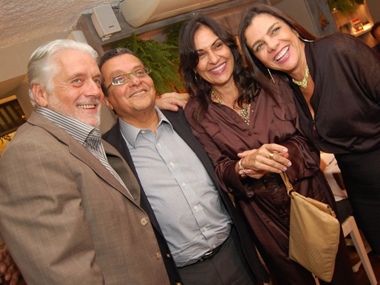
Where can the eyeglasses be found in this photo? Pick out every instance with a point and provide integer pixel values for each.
(126, 77)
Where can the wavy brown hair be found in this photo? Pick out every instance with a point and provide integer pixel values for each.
(198, 88)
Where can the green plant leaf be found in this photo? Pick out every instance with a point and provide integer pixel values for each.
(161, 57)
(344, 6)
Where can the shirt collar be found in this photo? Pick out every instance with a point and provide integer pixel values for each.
(130, 133)
(75, 128)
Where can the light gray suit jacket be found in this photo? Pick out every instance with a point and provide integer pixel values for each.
(66, 219)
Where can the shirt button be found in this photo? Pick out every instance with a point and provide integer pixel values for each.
(184, 185)
(144, 221)
(196, 208)
(204, 230)
(171, 164)
(158, 255)
(250, 133)
(168, 255)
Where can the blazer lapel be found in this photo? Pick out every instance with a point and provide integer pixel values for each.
(124, 171)
(114, 137)
(80, 152)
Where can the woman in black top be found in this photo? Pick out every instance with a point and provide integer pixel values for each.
(336, 81)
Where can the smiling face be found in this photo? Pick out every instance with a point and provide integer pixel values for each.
(275, 44)
(76, 88)
(216, 62)
(130, 98)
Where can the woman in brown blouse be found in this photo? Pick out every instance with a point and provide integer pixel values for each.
(336, 83)
(230, 114)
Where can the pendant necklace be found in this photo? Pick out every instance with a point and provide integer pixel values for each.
(304, 81)
(243, 113)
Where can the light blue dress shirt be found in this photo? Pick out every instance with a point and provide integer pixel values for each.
(182, 195)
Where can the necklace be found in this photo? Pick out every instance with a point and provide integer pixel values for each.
(304, 81)
(243, 113)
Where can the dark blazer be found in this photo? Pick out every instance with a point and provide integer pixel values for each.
(242, 234)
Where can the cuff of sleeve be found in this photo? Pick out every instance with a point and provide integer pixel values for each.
(234, 184)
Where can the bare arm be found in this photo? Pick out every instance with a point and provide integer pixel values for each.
(172, 101)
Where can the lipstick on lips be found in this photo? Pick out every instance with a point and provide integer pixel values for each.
(282, 55)
(219, 69)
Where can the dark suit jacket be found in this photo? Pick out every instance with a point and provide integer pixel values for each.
(242, 235)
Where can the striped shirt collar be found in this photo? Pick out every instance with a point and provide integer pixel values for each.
(130, 132)
(82, 132)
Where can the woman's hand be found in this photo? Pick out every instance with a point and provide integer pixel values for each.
(171, 101)
(268, 158)
(8, 267)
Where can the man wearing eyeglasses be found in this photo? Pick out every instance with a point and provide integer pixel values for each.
(192, 216)
(70, 209)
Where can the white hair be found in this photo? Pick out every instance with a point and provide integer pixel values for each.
(41, 67)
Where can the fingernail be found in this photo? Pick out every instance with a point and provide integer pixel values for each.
(285, 168)
(289, 164)
(285, 150)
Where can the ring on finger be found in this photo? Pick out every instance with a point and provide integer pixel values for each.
(271, 155)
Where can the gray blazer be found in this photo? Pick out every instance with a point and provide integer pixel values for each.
(66, 219)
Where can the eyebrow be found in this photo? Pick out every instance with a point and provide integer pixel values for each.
(84, 74)
(268, 32)
(118, 71)
(211, 44)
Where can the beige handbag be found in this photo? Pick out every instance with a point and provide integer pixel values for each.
(313, 235)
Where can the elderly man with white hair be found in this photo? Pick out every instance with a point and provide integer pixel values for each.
(70, 205)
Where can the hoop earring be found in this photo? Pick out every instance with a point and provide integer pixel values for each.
(305, 40)
(270, 74)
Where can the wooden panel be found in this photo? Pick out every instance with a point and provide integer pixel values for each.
(11, 117)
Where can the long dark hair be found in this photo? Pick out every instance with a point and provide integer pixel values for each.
(257, 69)
(198, 88)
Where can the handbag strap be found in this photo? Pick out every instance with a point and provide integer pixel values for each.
(288, 185)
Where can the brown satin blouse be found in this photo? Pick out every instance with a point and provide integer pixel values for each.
(273, 119)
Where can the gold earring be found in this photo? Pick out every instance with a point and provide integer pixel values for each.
(270, 74)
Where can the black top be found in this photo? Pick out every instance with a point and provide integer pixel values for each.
(346, 98)
(377, 48)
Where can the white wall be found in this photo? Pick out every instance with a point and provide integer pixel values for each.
(16, 57)
(374, 7)
(308, 12)
(297, 9)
